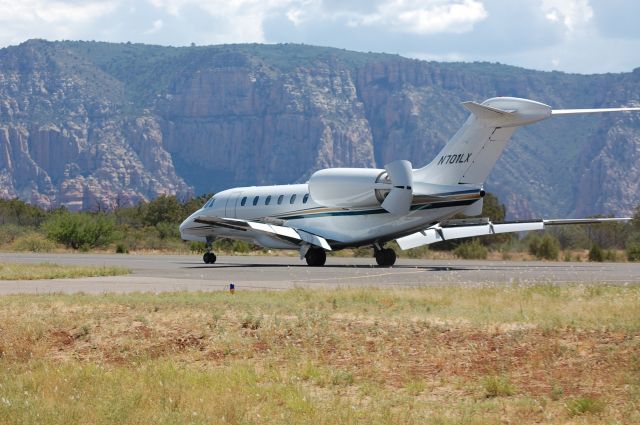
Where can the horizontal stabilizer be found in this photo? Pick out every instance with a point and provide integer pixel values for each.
(484, 111)
(283, 232)
(590, 111)
(439, 233)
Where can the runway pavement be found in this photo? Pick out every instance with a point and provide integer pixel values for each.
(158, 273)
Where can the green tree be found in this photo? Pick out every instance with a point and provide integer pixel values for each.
(492, 208)
(15, 211)
(194, 204)
(163, 209)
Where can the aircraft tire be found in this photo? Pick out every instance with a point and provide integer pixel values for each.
(316, 257)
(209, 258)
(385, 257)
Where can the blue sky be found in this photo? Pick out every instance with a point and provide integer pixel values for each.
(585, 36)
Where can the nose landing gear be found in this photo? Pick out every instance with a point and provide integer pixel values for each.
(209, 257)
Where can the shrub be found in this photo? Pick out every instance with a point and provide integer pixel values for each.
(583, 405)
(11, 232)
(241, 247)
(472, 250)
(419, 252)
(362, 252)
(496, 386)
(596, 254)
(33, 242)
(197, 247)
(80, 230)
(633, 251)
(121, 248)
(546, 247)
(168, 230)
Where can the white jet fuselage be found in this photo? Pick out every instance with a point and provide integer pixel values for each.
(291, 206)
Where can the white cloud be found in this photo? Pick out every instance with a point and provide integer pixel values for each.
(424, 17)
(156, 26)
(420, 17)
(53, 12)
(24, 19)
(573, 14)
(243, 19)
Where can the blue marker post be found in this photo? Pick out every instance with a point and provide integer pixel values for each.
(232, 288)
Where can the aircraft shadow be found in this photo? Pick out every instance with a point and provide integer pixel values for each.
(333, 266)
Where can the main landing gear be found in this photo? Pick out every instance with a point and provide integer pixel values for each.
(209, 257)
(385, 257)
(316, 257)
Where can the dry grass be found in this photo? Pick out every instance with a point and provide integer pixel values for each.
(21, 271)
(434, 355)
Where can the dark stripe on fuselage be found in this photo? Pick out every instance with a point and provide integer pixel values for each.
(378, 210)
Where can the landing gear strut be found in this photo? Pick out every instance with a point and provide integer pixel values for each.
(385, 257)
(209, 257)
(316, 257)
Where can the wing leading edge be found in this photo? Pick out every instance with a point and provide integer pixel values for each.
(438, 232)
(287, 233)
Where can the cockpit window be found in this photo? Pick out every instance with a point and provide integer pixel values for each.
(210, 202)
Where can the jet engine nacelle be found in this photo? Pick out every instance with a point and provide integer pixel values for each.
(391, 188)
(348, 187)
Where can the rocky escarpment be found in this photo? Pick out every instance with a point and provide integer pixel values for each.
(95, 125)
(65, 141)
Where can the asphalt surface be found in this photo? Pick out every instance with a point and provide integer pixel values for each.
(158, 273)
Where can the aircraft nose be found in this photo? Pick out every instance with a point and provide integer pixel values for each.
(185, 224)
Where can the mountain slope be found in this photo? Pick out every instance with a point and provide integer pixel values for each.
(93, 125)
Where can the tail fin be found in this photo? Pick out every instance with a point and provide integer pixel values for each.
(470, 155)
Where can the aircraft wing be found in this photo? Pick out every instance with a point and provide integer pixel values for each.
(438, 232)
(282, 232)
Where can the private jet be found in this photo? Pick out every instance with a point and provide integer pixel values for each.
(353, 207)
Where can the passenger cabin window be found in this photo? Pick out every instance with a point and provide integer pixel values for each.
(306, 198)
(280, 199)
(268, 200)
(255, 200)
(244, 201)
(293, 199)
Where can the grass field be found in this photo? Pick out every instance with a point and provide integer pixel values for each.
(543, 354)
(19, 271)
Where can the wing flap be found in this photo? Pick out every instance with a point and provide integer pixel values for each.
(437, 233)
(268, 229)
